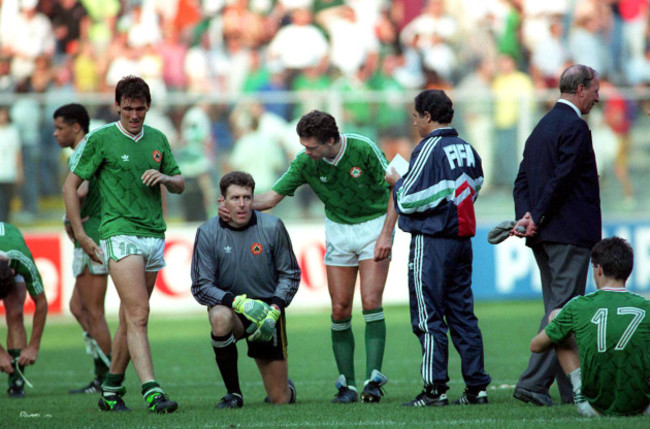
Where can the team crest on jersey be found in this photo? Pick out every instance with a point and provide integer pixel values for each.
(256, 248)
(355, 172)
(157, 156)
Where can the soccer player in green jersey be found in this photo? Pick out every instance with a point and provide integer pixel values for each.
(71, 124)
(130, 162)
(601, 339)
(18, 275)
(346, 171)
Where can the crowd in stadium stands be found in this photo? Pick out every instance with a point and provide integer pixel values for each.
(487, 50)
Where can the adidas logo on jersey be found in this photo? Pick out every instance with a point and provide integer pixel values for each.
(125, 158)
(227, 249)
(323, 179)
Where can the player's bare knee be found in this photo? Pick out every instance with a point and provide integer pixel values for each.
(340, 312)
(221, 319)
(370, 303)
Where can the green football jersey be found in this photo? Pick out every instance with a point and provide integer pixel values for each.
(352, 186)
(20, 258)
(91, 207)
(118, 159)
(612, 329)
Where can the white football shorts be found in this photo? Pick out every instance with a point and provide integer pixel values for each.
(347, 244)
(152, 250)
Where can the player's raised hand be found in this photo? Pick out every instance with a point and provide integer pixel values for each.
(252, 309)
(223, 211)
(266, 330)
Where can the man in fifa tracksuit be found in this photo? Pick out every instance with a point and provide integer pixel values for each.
(435, 201)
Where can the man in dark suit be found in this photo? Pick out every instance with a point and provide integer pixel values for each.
(557, 202)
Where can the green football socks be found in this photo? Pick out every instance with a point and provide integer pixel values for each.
(375, 337)
(343, 347)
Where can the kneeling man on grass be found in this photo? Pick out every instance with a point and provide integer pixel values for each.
(246, 273)
(601, 339)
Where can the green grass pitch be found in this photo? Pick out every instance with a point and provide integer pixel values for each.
(185, 367)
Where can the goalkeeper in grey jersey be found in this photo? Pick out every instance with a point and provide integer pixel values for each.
(246, 273)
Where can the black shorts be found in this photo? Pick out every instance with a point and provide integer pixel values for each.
(276, 349)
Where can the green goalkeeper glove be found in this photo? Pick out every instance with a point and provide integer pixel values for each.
(266, 330)
(252, 309)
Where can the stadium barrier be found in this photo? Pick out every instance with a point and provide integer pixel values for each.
(506, 271)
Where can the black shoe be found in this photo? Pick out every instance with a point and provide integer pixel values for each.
(372, 391)
(469, 398)
(231, 400)
(94, 386)
(16, 390)
(292, 400)
(160, 403)
(346, 394)
(112, 403)
(525, 395)
(429, 397)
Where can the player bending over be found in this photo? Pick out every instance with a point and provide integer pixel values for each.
(18, 275)
(246, 273)
(601, 339)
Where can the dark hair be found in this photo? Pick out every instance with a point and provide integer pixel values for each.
(238, 178)
(436, 102)
(132, 88)
(6, 278)
(73, 113)
(575, 76)
(320, 125)
(615, 256)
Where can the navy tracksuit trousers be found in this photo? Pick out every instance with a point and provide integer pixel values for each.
(440, 293)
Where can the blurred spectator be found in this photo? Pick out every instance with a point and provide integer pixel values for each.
(299, 45)
(630, 27)
(11, 169)
(196, 160)
(342, 26)
(70, 23)
(586, 40)
(392, 115)
(254, 151)
(7, 80)
(30, 35)
(433, 21)
(473, 99)
(172, 52)
(87, 69)
(26, 115)
(141, 25)
(513, 96)
(197, 67)
(618, 114)
(509, 42)
(310, 84)
(103, 15)
(549, 58)
(231, 64)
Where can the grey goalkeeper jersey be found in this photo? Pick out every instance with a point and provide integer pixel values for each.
(257, 260)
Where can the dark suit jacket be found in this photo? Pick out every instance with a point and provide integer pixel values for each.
(558, 181)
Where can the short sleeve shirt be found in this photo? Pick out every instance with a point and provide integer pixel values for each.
(20, 258)
(118, 159)
(91, 207)
(612, 329)
(352, 186)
